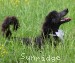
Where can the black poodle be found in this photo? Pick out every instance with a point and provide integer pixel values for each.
(51, 26)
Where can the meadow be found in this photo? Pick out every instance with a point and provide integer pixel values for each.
(31, 15)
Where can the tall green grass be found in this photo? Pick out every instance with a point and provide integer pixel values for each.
(31, 15)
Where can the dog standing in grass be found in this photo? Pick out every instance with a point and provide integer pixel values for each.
(50, 27)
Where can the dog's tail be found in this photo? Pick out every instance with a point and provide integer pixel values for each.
(12, 20)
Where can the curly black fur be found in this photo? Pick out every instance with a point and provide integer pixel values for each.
(6, 25)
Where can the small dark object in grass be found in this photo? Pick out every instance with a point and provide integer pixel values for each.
(27, 41)
(12, 20)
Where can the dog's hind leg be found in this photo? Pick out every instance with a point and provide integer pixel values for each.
(38, 42)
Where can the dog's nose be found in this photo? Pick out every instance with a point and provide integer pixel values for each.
(66, 10)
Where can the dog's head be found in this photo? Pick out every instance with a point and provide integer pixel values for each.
(55, 19)
(58, 17)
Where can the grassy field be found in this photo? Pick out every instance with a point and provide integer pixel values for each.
(31, 14)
